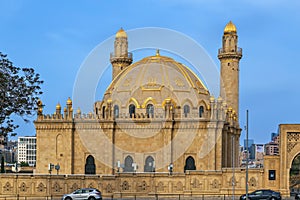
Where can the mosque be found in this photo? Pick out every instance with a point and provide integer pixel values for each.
(155, 114)
(157, 129)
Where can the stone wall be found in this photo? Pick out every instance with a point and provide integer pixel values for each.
(211, 183)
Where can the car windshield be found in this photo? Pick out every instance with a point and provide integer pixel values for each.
(78, 191)
(258, 192)
(268, 192)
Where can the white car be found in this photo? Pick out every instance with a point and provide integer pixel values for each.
(84, 194)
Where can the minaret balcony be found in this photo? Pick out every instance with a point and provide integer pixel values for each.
(238, 51)
(128, 55)
(225, 53)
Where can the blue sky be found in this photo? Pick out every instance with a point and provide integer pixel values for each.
(55, 37)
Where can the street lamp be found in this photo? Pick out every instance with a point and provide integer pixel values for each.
(233, 167)
(247, 158)
(57, 167)
(170, 168)
(118, 166)
(50, 167)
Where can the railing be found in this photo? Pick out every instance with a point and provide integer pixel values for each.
(238, 51)
(129, 55)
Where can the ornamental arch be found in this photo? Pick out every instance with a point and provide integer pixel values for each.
(289, 152)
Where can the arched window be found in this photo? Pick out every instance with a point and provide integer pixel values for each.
(131, 110)
(186, 110)
(149, 164)
(201, 111)
(189, 164)
(116, 111)
(150, 110)
(103, 112)
(90, 167)
(128, 164)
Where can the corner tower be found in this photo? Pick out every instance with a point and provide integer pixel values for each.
(120, 58)
(229, 56)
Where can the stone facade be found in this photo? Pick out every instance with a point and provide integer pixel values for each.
(156, 113)
(156, 130)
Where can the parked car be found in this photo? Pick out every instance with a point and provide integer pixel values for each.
(297, 196)
(262, 194)
(84, 194)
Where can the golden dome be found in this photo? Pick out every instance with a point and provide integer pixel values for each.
(58, 107)
(230, 28)
(121, 33)
(69, 101)
(39, 102)
(78, 111)
(158, 71)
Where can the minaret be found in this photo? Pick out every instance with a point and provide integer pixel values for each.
(229, 56)
(120, 59)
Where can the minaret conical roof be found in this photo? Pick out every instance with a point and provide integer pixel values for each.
(121, 33)
(229, 28)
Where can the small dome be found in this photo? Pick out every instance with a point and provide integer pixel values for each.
(78, 111)
(69, 101)
(230, 28)
(121, 33)
(58, 107)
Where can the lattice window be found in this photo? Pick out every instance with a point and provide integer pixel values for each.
(40, 187)
(293, 136)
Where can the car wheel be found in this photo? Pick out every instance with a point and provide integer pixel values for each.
(92, 198)
(68, 198)
(272, 198)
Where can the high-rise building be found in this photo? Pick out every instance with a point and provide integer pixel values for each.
(250, 143)
(27, 150)
(273, 135)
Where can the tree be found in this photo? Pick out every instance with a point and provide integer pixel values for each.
(24, 164)
(2, 165)
(19, 91)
